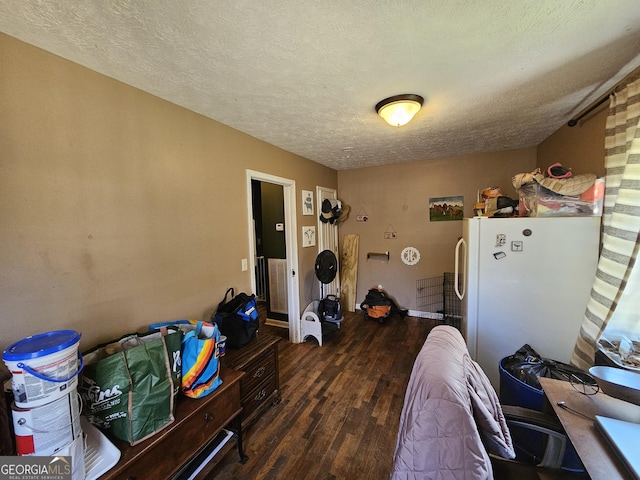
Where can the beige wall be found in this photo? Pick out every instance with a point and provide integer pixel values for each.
(118, 209)
(581, 147)
(397, 197)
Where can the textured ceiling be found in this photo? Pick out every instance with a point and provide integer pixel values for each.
(305, 75)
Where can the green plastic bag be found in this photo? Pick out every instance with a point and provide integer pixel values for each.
(128, 386)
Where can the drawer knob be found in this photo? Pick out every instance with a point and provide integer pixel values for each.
(261, 394)
(259, 372)
(208, 417)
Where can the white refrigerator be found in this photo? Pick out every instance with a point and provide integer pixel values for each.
(524, 280)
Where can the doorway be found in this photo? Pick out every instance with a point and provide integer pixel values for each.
(281, 251)
(270, 254)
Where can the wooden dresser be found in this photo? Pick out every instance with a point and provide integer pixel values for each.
(197, 422)
(260, 386)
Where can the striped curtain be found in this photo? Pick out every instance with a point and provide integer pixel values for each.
(621, 225)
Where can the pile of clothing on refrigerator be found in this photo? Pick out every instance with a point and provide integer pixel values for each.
(558, 192)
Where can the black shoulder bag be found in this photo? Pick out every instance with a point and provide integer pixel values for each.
(237, 318)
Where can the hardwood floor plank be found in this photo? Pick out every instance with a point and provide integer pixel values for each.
(341, 403)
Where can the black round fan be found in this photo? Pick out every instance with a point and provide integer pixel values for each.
(329, 309)
(326, 266)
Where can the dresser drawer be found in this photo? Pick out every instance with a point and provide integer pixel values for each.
(260, 385)
(258, 369)
(261, 396)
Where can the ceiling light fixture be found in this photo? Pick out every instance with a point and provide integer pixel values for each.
(399, 109)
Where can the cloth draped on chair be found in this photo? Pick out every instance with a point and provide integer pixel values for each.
(621, 228)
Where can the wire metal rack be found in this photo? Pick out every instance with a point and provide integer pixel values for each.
(436, 298)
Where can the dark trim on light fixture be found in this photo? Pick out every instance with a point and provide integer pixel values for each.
(399, 109)
(405, 96)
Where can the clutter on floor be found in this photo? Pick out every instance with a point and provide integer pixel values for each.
(520, 386)
(114, 394)
(46, 408)
(379, 306)
(324, 316)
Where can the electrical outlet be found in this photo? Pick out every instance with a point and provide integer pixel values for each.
(245, 265)
(389, 235)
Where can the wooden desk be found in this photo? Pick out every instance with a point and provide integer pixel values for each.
(197, 422)
(596, 455)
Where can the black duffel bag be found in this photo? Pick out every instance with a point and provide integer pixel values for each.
(237, 318)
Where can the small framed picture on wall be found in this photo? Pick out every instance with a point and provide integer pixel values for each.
(446, 208)
(307, 202)
(308, 236)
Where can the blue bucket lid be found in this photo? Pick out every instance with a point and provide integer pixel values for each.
(41, 345)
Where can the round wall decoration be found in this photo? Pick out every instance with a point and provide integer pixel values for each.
(410, 255)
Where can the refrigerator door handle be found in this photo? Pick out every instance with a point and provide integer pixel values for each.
(460, 243)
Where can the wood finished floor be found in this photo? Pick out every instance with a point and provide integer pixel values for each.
(340, 407)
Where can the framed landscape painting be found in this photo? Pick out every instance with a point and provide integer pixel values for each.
(446, 208)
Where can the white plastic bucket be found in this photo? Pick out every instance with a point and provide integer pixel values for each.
(48, 429)
(44, 367)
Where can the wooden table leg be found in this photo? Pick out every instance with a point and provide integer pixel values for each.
(243, 456)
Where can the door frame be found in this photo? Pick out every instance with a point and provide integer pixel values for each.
(291, 240)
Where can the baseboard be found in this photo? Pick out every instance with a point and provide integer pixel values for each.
(432, 315)
(276, 323)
